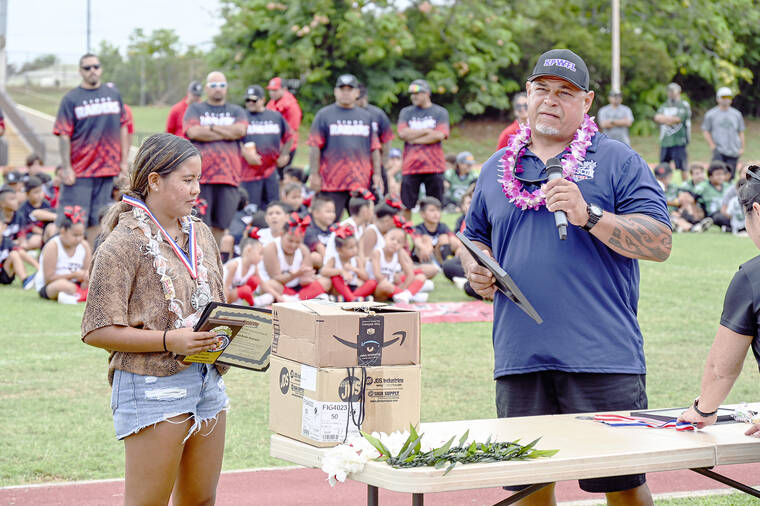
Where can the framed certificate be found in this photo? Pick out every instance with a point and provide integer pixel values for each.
(245, 336)
(504, 282)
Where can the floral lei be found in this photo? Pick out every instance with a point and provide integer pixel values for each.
(161, 264)
(571, 158)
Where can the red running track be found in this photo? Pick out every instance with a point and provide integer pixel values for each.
(308, 487)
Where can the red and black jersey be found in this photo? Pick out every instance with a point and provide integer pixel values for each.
(346, 141)
(381, 125)
(92, 118)
(424, 158)
(221, 159)
(269, 130)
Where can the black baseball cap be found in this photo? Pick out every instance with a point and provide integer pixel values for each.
(564, 64)
(347, 80)
(419, 86)
(196, 88)
(254, 91)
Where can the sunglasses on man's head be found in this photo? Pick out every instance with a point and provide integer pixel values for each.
(217, 85)
(753, 172)
(87, 68)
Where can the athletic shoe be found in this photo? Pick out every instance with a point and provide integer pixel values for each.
(404, 297)
(290, 298)
(263, 300)
(703, 225)
(419, 297)
(28, 283)
(65, 298)
(322, 296)
(428, 286)
(459, 282)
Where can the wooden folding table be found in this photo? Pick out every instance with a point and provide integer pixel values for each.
(587, 449)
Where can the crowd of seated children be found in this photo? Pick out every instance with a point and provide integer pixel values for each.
(452, 268)
(346, 269)
(710, 197)
(689, 210)
(65, 260)
(433, 240)
(394, 271)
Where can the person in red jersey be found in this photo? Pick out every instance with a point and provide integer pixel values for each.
(130, 124)
(422, 126)
(92, 130)
(215, 127)
(284, 102)
(266, 146)
(177, 112)
(520, 107)
(344, 152)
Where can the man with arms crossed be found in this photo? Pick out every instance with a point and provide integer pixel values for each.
(422, 126)
(587, 355)
(92, 133)
(215, 127)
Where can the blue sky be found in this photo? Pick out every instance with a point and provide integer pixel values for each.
(37, 27)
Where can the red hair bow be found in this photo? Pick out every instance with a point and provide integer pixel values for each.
(307, 201)
(74, 213)
(393, 202)
(344, 231)
(298, 224)
(252, 232)
(404, 225)
(202, 206)
(365, 194)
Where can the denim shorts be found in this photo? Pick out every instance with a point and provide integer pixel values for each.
(141, 401)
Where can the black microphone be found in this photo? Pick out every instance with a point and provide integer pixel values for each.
(554, 171)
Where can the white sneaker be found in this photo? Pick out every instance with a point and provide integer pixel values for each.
(459, 282)
(290, 298)
(428, 286)
(322, 296)
(263, 300)
(404, 297)
(65, 298)
(29, 283)
(419, 297)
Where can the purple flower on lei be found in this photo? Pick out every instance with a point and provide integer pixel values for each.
(571, 158)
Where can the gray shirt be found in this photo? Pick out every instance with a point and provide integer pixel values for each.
(608, 113)
(724, 128)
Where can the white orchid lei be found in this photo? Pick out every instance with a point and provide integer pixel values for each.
(409, 449)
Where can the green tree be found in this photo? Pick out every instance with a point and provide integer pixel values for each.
(460, 47)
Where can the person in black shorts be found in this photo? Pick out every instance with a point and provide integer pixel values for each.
(92, 132)
(215, 127)
(739, 329)
(422, 126)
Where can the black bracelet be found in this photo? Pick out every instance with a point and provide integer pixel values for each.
(165, 331)
(702, 413)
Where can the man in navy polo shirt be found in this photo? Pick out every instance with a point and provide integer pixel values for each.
(344, 151)
(588, 354)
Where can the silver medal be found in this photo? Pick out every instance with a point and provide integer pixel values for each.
(201, 296)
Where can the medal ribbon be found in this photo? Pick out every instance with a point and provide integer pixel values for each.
(190, 262)
(630, 421)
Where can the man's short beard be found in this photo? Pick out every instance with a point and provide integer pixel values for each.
(546, 130)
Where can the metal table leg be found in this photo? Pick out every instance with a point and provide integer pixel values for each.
(727, 481)
(372, 499)
(418, 499)
(521, 494)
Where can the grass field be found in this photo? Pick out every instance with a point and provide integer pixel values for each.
(55, 396)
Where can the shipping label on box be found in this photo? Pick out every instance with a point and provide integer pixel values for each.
(325, 406)
(326, 334)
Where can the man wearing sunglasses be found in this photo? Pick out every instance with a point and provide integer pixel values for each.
(520, 107)
(587, 355)
(91, 126)
(423, 126)
(216, 127)
(266, 146)
(615, 118)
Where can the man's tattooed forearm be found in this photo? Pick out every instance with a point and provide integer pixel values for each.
(639, 236)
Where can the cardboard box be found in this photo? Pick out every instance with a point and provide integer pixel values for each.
(321, 407)
(326, 334)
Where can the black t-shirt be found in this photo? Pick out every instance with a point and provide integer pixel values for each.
(25, 211)
(381, 125)
(315, 235)
(459, 227)
(346, 141)
(269, 130)
(13, 229)
(421, 229)
(741, 306)
(92, 118)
